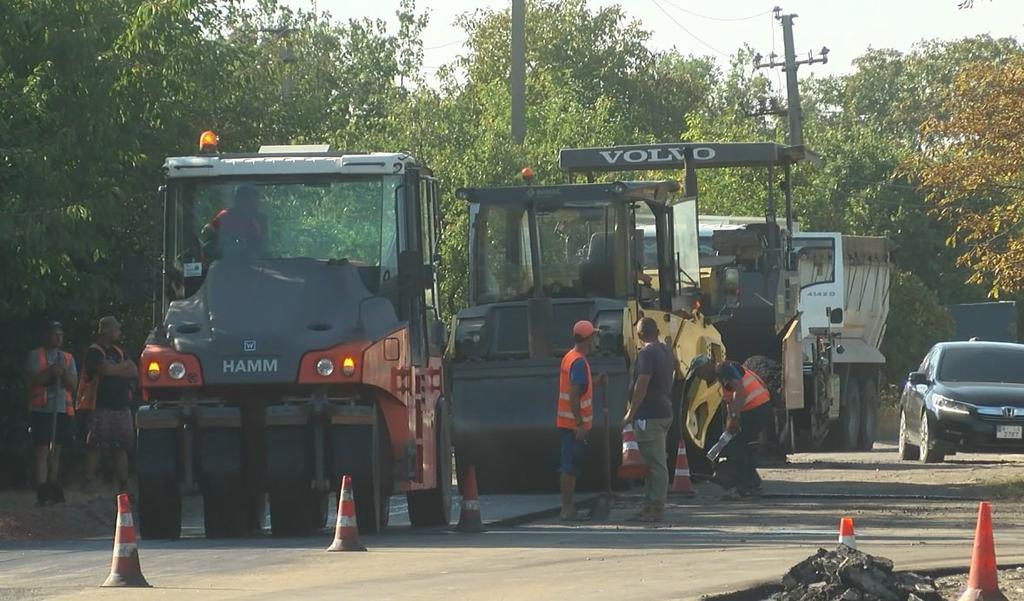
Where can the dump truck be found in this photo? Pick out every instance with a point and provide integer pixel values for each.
(300, 341)
(542, 257)
(843, 306)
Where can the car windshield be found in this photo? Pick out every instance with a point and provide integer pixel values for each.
(578, 251)
(325, 218)
(982, 364)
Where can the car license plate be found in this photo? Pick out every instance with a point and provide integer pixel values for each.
(1009, 431)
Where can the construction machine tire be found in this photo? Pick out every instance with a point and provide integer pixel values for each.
(869, 412)
(159, 507)
(431, 508)
(226, 512)
(847, 431)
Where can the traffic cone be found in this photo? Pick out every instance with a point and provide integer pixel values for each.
(983, 582)
(633, 466)
(846, 535)
(346, 531)
(124, 568)
(681, 481)
(469, 512)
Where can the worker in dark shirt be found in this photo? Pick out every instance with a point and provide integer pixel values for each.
(112, 429)
(650, 412)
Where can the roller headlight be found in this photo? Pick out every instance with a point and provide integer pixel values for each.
(176, 370)
(325, 367)
(944, 403)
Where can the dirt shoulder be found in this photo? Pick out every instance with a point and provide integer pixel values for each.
(83, 516)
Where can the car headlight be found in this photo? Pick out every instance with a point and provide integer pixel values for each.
(944, 403)
(324, 367)
(176, 370)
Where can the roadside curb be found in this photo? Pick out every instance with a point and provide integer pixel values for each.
(760, 592)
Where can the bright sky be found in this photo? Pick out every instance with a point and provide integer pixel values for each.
(846, 27)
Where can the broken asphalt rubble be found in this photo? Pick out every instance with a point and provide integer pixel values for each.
(849, 575)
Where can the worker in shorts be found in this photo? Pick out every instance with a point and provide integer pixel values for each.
(575, 411)
(51, 386)
(111, 429)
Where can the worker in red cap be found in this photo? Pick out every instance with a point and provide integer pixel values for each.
(575, 411)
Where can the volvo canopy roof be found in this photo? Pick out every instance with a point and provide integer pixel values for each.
(674, 155)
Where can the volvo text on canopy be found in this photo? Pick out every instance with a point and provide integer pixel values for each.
(542, 258)
(300, 342)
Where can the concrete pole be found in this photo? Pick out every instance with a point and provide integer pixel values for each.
(517, 74)
(796, 134)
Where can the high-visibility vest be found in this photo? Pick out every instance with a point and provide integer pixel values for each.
(87, 387)
(754, 391)
(37, 393)
(565, 418)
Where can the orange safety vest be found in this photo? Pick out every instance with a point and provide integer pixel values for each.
(37, 393)
(87, 386)
(565, 418)
(754, 391)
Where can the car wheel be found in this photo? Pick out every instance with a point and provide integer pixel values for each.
(928, 453)
(907, 450)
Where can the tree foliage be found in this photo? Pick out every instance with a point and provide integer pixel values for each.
(970, 165)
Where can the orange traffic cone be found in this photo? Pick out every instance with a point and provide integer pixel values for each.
(346, 531)
(124, 568)
(469, 512)
(846, 535)
(633, 466)
(983, 582)
(681, 481)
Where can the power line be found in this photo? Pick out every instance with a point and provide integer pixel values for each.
(688, 32)
(710, 18)
(446, 44)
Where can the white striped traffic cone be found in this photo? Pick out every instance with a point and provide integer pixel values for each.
(633, 466)
(846, 535)
(346, 531)
(681, 483)
(124, 568)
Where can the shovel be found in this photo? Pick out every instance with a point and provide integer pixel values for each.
(603, 506)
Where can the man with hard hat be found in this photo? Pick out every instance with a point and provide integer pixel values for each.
(748, 412)
(575, 409)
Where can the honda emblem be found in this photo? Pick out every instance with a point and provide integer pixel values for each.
(1009, 411)
(249, 346)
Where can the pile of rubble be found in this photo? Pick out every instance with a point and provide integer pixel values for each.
(849, 575)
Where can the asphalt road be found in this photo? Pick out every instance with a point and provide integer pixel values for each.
(705, 545)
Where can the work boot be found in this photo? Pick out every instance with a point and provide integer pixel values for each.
(56, 493)
(42, 494)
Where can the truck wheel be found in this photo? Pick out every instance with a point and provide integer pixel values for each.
(430, 508)
(850, 410)
(226, 513)
(907, 450)
(159, 505)
(869, 412)
(929, 453)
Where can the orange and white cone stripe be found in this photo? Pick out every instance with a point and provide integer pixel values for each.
(470, 520)
(346, 529)
(633, 465)
(846, 534)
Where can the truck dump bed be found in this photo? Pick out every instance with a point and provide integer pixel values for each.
(866, 274)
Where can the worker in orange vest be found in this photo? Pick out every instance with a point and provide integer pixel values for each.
(575, 411)
(51, 384)
(748, 412)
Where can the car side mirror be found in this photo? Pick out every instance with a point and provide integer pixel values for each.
(835, 316)
(918, 379)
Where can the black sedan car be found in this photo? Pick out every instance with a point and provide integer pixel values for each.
(965, 396)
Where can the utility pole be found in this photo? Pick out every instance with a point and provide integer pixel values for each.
(790, 65)
(517, 74)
